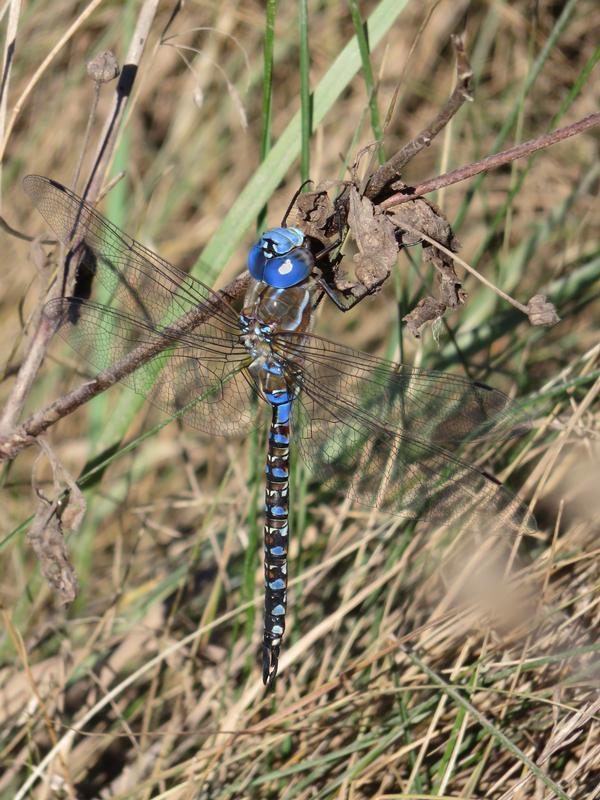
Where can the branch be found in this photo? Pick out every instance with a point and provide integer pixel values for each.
(390, 171)
(491, 162)
(24, 435)
(42, 333)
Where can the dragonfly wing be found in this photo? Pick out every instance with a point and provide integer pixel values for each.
(135, 279)
(397, 472)
(433, 406)
(198, 374)
(371, 431)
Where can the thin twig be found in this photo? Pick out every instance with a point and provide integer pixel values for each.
(407, 64)
(491, 162)
(86, 136)
(18, 107)
(7, 61)
(390, 171)
(42, 331)
(116, 114)
(466, 266)
(24, 435)
(25, 237)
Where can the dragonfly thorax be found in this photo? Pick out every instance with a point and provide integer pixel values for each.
(365, 426)
(267, 312)
(280, 258)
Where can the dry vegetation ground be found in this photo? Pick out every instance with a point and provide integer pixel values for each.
(148, 684)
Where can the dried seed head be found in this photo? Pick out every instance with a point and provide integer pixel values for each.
(104, 67)
(541, 311)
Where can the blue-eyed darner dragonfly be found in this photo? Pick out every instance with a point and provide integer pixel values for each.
(370, 428)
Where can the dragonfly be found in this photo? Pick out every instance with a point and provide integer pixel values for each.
(378, 432)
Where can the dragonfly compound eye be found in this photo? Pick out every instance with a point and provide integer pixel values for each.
(374, 430)
(279, 241)
(279, 259)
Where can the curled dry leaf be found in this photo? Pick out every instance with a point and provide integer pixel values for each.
(47, 540)
(315, 211)
(375, 238)
(541, 311)
(46, 533)
(422, 215)
(378, 236)
(427, 310)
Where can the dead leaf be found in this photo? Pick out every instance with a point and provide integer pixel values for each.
(314, 211)
(375, 238)
(421, 215)
(46, 533)
(47, 540)
(427, 310)
(541, 311)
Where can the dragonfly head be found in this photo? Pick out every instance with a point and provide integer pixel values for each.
(280, 258)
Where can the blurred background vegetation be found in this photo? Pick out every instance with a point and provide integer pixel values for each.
(170, 546)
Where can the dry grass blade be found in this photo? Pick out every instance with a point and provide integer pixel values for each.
(419, 661)
(43, 67)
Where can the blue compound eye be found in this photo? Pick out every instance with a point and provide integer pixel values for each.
(279, 259)
(286, 271)
(279, 241)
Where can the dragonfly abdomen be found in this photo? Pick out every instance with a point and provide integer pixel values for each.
(276, 536)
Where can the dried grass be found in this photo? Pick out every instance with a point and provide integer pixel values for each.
(391, 684)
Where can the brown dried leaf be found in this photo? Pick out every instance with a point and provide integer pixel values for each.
(464, 71)
(451, 291)
(541, 311)
(421, 215)
(47, 540)
(46, 534)
(375, 238)
(314, 211)
(427, 310)
(427, 217)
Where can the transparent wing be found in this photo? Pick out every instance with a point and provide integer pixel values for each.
(432, 405)
(187, 334)
(370, 429)
(136, 280)
(197, 374)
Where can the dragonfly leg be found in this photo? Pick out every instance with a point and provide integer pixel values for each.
(276, 537)
(341, 300)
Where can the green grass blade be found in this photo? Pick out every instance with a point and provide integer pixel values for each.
(305, 104)
(285, 151)
(365, 57)
(501, 738)
(267, 93)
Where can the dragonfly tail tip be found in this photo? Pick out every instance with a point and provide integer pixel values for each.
(270, 665)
